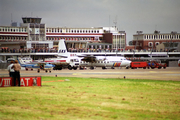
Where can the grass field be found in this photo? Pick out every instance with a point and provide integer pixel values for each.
(92, 98)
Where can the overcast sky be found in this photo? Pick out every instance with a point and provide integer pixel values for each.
(130, 15)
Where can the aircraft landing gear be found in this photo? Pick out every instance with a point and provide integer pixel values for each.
(104, 68)
(69, 67)
(57, 67)
(60, 68)
(92, 68)
(75, 68)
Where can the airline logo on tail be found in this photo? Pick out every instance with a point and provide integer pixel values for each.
(62, 46)
(20, 61)
(24, 60)
(62, 50)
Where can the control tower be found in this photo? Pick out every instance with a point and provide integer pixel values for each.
(36, 30)
(36, 33)
(31, 20)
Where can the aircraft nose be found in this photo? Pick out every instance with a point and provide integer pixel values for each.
(128, 62)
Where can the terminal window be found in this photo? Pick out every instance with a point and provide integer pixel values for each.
(38, 45)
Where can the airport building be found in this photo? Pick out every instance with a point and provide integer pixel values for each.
(34, 34)
(156, 41)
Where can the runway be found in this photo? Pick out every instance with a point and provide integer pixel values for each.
(170, 73)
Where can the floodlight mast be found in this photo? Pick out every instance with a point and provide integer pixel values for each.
(138, 32)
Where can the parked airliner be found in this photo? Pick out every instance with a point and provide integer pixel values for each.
(90, 60)
(104, 62)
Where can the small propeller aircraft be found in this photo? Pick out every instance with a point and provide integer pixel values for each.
(29, 64)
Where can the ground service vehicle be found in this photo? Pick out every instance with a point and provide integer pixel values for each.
(70, 63)
(138, 64)
(156, 64)
(148, 64)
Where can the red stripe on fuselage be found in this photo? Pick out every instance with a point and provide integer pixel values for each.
(55, 61)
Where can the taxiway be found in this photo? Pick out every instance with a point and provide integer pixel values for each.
(170, 73)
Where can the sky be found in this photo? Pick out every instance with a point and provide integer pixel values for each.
(129, 15)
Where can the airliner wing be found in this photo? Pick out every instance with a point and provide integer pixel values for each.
(62, 56)
(91, 59)
(36, 63)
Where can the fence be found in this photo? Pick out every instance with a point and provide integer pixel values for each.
(4, 65)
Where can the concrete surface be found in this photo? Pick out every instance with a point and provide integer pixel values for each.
(170, 73)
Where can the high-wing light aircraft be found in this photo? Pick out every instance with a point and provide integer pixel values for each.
(83, 60)
(29, 64)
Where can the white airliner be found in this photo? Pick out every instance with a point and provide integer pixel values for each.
(104, 62)
(83, 60)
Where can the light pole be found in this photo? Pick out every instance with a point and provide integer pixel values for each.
(155, 32)
(138, 32)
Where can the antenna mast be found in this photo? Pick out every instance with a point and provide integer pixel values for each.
(11, 18)
(115, 21)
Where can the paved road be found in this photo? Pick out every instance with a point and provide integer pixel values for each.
(170, 73)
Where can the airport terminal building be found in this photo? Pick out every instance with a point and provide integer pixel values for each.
(34, 34)
(157, 41)
(33, 37)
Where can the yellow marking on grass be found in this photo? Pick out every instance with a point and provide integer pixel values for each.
(76, 74)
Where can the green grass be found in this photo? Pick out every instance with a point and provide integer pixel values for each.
(92, 98)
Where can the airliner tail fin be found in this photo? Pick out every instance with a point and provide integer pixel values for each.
(62, 47)
(21, 62)
(62, 50)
